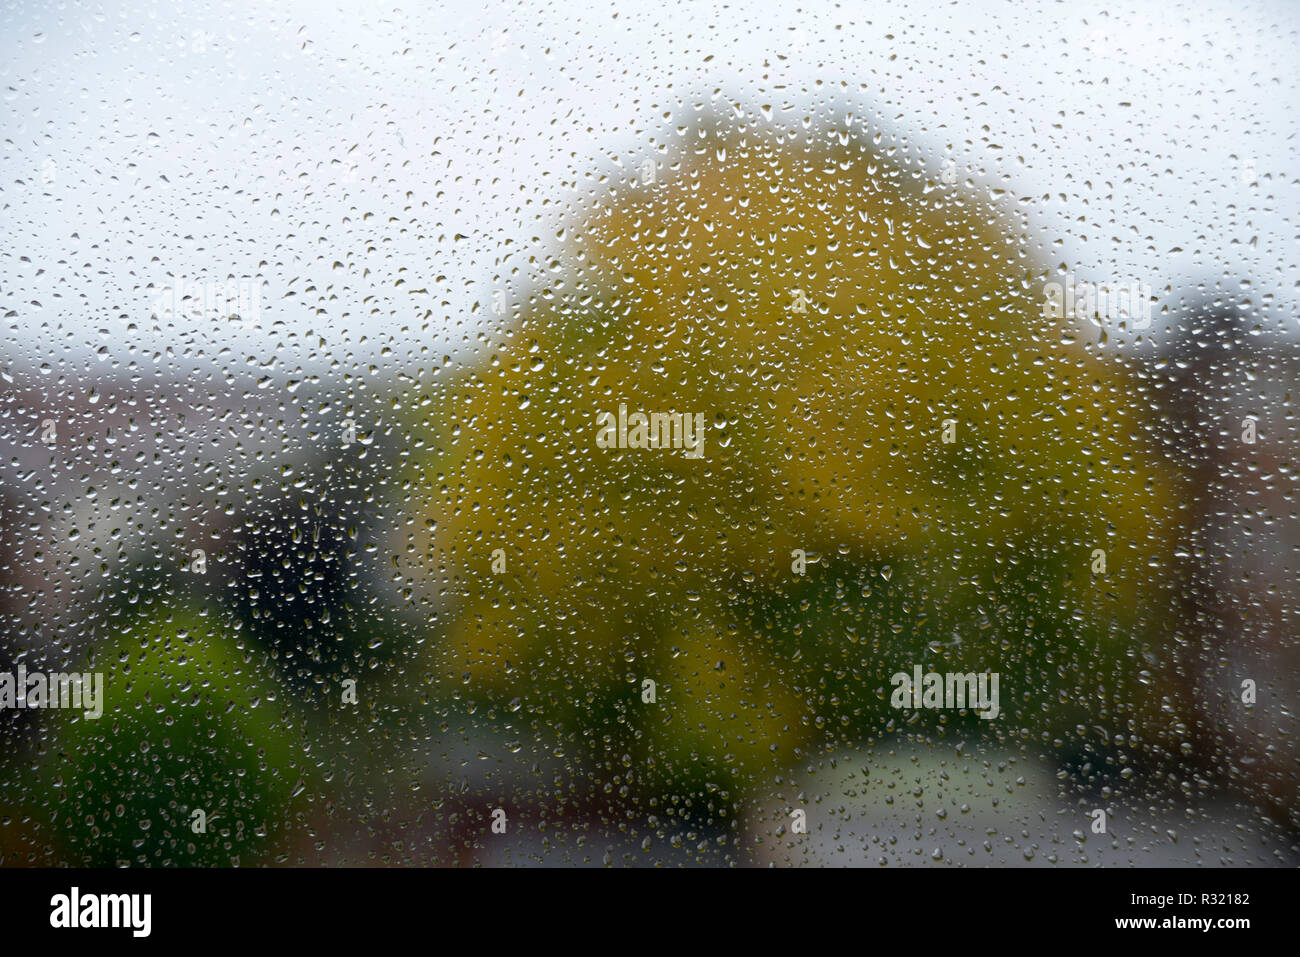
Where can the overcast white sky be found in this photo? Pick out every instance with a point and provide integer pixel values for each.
(378, 165)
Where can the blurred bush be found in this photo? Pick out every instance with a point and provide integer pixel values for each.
(191, 722)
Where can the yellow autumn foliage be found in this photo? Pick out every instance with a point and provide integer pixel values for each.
(824, 429)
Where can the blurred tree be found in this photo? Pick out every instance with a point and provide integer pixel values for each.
(824, 433)
(301, 588)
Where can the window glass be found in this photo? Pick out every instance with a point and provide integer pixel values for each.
(659, 434)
